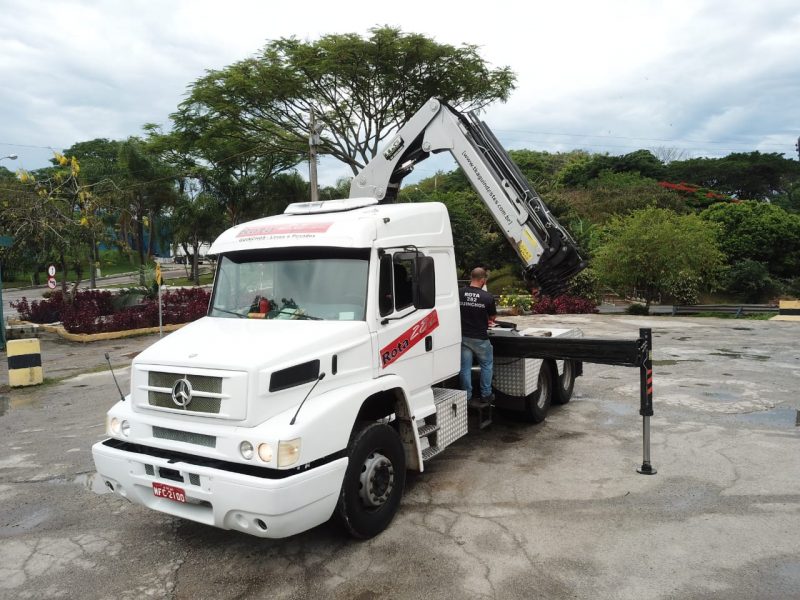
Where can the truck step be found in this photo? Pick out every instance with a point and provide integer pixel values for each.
(480, 416)
(430, 452)
(426, 430)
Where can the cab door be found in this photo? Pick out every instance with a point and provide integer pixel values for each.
(406, 333)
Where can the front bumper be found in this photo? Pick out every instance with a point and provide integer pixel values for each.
(269, 508)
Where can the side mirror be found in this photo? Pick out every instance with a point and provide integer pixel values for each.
(425, 283)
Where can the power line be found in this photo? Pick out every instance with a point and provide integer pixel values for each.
(646, 139)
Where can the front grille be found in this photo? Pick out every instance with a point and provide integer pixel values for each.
(185, 436)
(201, 384)
(194, 479)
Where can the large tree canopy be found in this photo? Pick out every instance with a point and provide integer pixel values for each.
(655, 251)
(360, 90)
(746, 175)
(758, 231)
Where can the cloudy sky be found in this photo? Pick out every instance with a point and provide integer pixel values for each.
(701, 77)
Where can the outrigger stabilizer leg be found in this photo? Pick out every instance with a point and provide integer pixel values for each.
(646, 407)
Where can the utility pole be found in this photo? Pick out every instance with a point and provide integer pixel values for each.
(313, 142)
(797, 147)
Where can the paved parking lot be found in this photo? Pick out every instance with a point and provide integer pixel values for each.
(518, 511)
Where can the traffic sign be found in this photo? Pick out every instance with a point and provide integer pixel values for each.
(159, 279)
(51, 283)
(51, 270)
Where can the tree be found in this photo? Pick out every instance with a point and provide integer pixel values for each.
(196, 221)
(51, 217)
(760, 232)
(232, 163)
(654, 250)
(746, 175)
(146, 187)
(612, 194)
(360, 90)
(581, 171)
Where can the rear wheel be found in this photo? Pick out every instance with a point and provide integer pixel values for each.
(538, 403)
(566, 383)
(374, 481)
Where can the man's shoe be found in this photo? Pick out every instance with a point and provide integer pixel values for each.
(488, 399)
(476, 402)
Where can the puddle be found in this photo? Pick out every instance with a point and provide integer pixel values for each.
(670, 362)
(742, 328)
(92, 482)
(722, 395)
(784, 418)
(731, 354)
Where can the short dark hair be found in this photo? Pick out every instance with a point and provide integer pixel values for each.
(478, 273)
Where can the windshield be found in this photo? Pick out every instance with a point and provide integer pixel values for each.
(321, 283)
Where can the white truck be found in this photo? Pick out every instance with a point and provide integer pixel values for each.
(319, 375)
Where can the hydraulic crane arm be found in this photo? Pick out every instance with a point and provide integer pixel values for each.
(548, 253)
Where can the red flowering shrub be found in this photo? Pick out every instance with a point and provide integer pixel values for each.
(93, 311)
(563, 305)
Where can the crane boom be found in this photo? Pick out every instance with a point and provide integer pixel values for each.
(549, 254)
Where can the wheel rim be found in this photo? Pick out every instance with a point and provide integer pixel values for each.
(376, 480)
(544, 392)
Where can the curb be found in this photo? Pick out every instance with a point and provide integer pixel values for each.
(98, 337)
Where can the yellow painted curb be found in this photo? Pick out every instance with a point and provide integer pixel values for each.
(786, 318)
(96, 337)
(112, 335)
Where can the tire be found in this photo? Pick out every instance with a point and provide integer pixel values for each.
(538, 403)
(373, 482)
(566, 382)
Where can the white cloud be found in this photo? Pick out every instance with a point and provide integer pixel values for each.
(606, 76)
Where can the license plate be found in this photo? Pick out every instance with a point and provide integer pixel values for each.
(169, 492)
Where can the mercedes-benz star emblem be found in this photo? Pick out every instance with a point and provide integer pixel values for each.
(182, 392)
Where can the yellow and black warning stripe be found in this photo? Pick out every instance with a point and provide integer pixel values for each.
(24, 363)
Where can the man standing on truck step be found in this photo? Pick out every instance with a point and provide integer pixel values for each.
(477, 308)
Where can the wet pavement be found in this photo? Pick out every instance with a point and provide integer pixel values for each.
(518, 511)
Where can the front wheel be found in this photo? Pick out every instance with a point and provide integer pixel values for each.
(373, 482)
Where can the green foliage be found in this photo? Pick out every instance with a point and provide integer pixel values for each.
(758, 231)
(611, 194)
(586, 285)
(476, 237)
(684, 288)
(751, 280)
(361, 90)
(582, 172)
(748, 175)
(638, 309)
(646, 252)
(519, 302)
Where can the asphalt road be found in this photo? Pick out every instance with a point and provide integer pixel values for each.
(517, 511)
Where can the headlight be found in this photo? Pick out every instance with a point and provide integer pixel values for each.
(246, 450)
(114, 426)
(288, 452)
(125, 428)
(265, 452)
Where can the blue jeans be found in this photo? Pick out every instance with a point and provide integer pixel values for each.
(482, 350)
